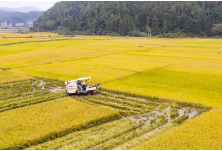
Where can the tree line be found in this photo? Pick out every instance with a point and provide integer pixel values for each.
(134, 18)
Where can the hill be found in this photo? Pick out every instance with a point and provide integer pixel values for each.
(4, 14)
(133, 18)
(24, 9)
(18, 17)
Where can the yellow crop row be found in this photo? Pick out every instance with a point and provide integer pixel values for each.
(38, 123)
(6, 77)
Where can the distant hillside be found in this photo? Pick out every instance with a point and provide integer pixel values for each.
(195, 18)
(18, 17)
(4, 14)
(24, 9)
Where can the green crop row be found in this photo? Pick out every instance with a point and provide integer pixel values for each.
(23, 96)
(31, 101)
(17, 99)
(128, 136)
(133, 104)
(112, 104)
(15, 84)
(134, 99)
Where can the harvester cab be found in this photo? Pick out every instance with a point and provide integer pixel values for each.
(79, 86)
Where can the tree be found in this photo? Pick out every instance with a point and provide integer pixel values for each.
(71, 25)
(121, 27)
(217, 28)
(137, 21)
(155, 24)
(165, 29)
(189, 24)
(92, 25)
(128, 16)
(76, 22)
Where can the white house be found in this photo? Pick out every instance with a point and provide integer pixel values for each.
(4, 24)
(30, 23)
(19, 24)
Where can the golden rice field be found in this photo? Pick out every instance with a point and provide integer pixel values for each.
(6, 77)
(137, 76)
(30, 125)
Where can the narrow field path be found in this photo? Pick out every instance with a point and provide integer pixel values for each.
(31, 42)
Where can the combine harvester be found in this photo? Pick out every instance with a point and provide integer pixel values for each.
(79, 86)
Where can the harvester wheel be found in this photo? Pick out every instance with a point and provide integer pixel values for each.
(91, 92)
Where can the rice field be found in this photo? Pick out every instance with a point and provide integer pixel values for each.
(11, 77)
(139, 116)
(152, 91)
(33, 124)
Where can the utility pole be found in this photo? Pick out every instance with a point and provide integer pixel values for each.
(150, 33)
(38, 36)
(84, 35)
(170, 37)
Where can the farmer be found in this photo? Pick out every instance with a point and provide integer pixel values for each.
(84, 85)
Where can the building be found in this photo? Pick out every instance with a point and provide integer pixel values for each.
(19, 24)
(30, 24)
(4, 24)
(10, 25)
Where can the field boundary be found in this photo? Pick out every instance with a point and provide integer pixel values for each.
(31, 42)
